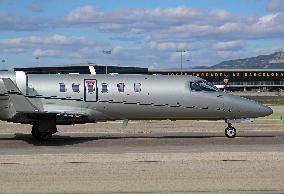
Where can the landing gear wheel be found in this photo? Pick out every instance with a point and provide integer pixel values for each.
(35, 131)
(43, 136)
(230, 132)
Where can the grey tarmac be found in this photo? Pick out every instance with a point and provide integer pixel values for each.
(146, 157)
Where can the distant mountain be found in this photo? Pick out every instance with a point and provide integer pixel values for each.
(273, 61)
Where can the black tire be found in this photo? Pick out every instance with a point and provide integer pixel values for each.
(45, 136)
(230, 132)
(35, 132)
(42, 136)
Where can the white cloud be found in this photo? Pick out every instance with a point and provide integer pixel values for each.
(35, 6)
(47, 46)
(211, 35)
(230, 45)
(167, 45)
(230, 27)
(179, 24)
(275, 6)
(268, 19)
(37, 41)
(83, 14)
(46, 53)
(15, 22)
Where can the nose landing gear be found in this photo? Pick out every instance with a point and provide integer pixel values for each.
(230, 131)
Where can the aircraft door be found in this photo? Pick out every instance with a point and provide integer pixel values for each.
(90, 90)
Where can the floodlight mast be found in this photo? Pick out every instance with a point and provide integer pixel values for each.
(37, 60)
(106, 52)
(181, 56)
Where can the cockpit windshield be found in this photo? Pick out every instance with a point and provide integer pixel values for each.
(202, 85)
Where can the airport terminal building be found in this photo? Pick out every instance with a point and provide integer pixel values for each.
(238, 79)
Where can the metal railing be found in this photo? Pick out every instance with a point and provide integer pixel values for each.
(253, 84)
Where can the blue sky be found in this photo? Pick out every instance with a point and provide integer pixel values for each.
(138, 33)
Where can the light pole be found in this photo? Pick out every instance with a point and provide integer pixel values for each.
(3, 62)
(37, 61)
(107, 52)
(181, 55)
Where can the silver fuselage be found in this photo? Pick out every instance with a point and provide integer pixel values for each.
(159, 97)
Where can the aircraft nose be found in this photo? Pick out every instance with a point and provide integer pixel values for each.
(255, 109)
(265, 110)
(246, 108)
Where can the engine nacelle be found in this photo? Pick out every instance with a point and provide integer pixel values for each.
(7, 110)
(18, 77)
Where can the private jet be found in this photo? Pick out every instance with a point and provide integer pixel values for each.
(47, 100)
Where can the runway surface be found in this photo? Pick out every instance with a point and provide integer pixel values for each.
(146, 157)
(181, 142)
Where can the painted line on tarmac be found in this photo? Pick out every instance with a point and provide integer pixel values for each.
(262, 124)
(134, 157)
(146, 138)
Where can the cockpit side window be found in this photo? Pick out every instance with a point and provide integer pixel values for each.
(195, 86)
(199, 85)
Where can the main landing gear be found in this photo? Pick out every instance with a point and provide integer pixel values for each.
(37, 134)
(44, 128)
(230, 131)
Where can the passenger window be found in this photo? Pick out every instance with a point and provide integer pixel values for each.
(76, 87)
(104, 88)
(137, 87)
(120, 87)
(62, 87)
(91, 87)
